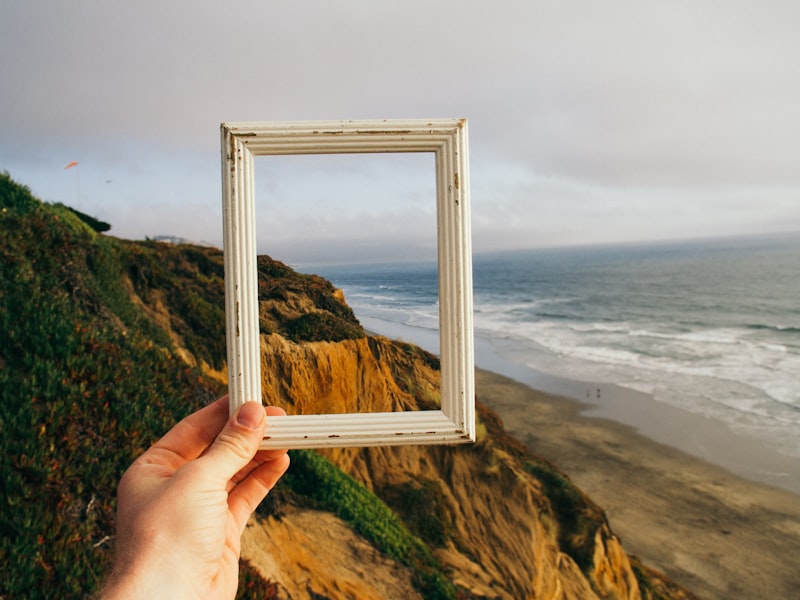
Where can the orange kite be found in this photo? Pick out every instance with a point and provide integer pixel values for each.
(74, 163)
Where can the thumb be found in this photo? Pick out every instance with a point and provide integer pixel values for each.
(237, 443)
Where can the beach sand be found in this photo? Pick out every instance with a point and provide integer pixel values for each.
(715, 532)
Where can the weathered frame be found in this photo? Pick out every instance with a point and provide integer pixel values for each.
(447, 139)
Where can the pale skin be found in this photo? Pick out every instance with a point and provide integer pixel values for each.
(184, 503)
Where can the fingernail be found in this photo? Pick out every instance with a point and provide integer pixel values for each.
(250, 415)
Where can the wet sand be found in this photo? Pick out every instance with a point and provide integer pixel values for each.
(717, 533)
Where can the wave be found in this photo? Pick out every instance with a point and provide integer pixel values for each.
(709, 336)
(617, 348)
(555, 316)
(782, 329)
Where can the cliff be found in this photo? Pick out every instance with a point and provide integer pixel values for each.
(105, 343)
(503, 523)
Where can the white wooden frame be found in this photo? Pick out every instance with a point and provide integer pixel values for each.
(447, 139)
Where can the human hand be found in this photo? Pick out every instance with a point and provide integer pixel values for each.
(184, 503)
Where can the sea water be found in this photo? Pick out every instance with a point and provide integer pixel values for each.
(710, 327)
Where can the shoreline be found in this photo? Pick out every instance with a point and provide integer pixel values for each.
(707, 439)
(718, 533)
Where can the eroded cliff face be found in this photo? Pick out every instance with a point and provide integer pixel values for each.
(493, 524)
(365, 375)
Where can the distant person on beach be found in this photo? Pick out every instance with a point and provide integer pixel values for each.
(184, 503)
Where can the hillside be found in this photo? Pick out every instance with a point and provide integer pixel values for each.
(105, 343)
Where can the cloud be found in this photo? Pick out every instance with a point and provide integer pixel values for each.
(583, 118)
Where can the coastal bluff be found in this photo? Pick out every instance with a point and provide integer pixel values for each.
(503, 528)
(106, 343)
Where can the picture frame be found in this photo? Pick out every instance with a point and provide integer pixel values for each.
(454, 422)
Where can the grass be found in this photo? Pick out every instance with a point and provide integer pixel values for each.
(88, 381)
(577, 517)
(83, 389)
(318, 480)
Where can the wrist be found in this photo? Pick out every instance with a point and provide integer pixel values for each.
(135, 585)
(133, 578)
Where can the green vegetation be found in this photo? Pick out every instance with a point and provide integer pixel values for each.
(315, 478)
(185, 285)
(578, 518)
(431, 360)
(81, 394)
(90, 376)
(322, 326)
(95, 224)
(420, 504)
(325, 318)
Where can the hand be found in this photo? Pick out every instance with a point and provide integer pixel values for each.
(184, 503)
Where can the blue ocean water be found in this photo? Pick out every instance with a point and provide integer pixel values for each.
(711, 327)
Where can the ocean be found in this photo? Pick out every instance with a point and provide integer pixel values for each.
(709, 327)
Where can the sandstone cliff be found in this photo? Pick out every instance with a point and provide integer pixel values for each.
(501, 522)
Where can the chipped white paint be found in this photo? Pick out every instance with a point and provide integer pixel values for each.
(447, 139)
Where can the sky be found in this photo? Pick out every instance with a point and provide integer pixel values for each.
(589, 122)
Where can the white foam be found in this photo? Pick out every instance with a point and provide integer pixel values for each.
(720, 373)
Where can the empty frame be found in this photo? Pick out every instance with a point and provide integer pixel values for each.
(447, 140)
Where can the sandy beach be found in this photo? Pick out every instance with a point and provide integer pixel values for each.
(717, 533)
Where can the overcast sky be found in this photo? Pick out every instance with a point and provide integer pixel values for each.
(588, 121)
